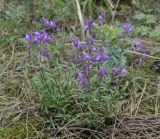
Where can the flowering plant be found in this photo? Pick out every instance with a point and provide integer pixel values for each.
(85, 79)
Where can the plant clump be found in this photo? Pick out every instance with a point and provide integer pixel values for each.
(84, 87)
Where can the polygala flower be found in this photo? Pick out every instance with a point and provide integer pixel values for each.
(100, 56)
(116, 70)
(89, 24)
(138, 46)
(102, 72)
(123, 72)
(119, 70)
(86, 55)
(101, 17)
(120, 36)
(116, 81)
(81, 77)
(83, 81)
(146, 51)
(28, 37)
(76, 42)
(51, 24)
(127, 27)
(28, 46)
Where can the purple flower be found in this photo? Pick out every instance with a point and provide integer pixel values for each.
(101, 17)
(101, 58)
(83, 75)
(82, 78)
(72, 56)
(120, 36)
(123, 72)
(94, 36)
(89, 24)
(98, 57)
(28, 37)
(42, 36)
(45, 21)
(116, 70)
(93, 61)
(116, 81)
(101, 50)
(102, 72)
(138, 46)
(28, 46)
(35, 42)
(37, 36)
(146, 51)
(76, 42)
(50, 24)
(47, 38)
(86, 55)
(104, 58)
(56, 27)
(127, 27)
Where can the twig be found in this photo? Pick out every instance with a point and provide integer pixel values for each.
(133, 52)
(114, 14)
(80, 15)
(157, 96)
(1, 5)
(110, 3)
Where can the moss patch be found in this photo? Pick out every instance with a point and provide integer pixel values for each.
(21, 129)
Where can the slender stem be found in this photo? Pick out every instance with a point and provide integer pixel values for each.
(114, 14)
(80, 16)
(133, 52)
(41, 72)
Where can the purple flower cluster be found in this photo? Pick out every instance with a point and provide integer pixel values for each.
(51, 24)
(89, 24)
(118, 71)
(83, 76)
(127, 28)
(101, 17)
(39, 38)
(139, 46)
(86, 59)
(76, 42)
(120, 36)
(102, 72)
(139, 49)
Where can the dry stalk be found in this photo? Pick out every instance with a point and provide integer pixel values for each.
(143, 91)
